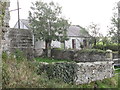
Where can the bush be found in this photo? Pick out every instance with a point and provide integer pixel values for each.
(92, 51)
(113, 47)
(62, 71)
(18, 74)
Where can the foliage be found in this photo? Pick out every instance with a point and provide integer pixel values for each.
(104, 40)
(113, 29)
(111, 46)
(93, 51)
(4, 56)
(18, 74)
(64, 71)
(19, 55)
(94, 32)
(47, 23)
(84, 50)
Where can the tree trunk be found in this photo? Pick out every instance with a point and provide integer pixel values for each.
(119, 45)
(94, 41)
(64, 45)
(48, 48)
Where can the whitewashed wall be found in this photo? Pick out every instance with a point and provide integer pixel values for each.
(68, 44)
(39, 45)
(57, 44)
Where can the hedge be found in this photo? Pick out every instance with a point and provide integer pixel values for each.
(64, 71)
(113, 47)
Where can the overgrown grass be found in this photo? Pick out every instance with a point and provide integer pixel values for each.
(22, 74)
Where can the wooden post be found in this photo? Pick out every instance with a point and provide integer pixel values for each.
(18, 15)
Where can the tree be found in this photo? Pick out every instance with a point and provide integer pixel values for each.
(113, 29)
(94, 32)
(47, 23)
(105, 40)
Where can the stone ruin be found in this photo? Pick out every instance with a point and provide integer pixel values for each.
(18, 39)
(15, 39)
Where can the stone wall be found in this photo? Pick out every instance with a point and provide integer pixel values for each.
(89, 65)
(79, 73)
(115, 55)
(80, 55)
(18, 39)
(88, 72)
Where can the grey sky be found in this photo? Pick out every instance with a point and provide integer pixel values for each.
(79, 12)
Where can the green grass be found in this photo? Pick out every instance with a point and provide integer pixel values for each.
(50, 60)
(117, 71)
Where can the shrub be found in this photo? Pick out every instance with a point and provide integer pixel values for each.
(113, 47)
(62, 71)
(19, 55)
(93, 51)
(18, 74)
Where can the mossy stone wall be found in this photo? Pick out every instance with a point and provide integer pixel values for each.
(78, 73)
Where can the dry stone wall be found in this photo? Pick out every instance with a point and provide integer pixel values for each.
(18, 39)
(79, 73)
(115, 55)
(88, 72)
(90, 65)
(81, 56)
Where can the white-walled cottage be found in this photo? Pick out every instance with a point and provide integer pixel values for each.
(77, 36)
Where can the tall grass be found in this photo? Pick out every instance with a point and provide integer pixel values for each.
(18, 73)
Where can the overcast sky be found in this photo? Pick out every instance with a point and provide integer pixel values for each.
(79, 12)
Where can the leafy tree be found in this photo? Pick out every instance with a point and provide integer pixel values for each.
(105, 40)
(113, 29)
(94, 32)
(47, 23)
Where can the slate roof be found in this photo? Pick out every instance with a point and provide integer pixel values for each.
(77, 31)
